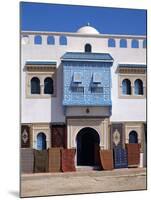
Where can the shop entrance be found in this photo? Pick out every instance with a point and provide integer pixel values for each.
(88, 141)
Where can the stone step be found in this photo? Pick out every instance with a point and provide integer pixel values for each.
(86, 168)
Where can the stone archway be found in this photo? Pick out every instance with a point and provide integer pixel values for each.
(41, 141)
(87, 141)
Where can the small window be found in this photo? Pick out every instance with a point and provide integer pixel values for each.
(135, 44)
(50, 40)
(41, 141)
(97, 90)
(77, 77)
(126, 87)
(123, 43)
(133, 137)
(38, 39)
(78, 89)
(48, 86)
(88, 48)
(96, 77)
(111, 42)
(63, 40)
(144, 43)
(138, 85)
(35, 85)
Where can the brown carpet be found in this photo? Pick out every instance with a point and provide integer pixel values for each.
(133, 152)
(54, 159)
(67, 160)
(106, 157)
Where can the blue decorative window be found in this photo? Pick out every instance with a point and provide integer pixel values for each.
(123, 43)
(126, 87)
(50, 40)
(138, 86)
(48, 85)
(41, 141)
(63, 40)
(77, 83)
(111, 42)
(144, 43)
(35, 85)
(133, 137)
(78, 89)
(38, 39)
(135, 44)
(96, 83)
(97, 90)
(88, 48)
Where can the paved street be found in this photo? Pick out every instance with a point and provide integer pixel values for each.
(82, 182)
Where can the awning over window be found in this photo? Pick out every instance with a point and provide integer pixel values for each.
(80, 56)
(40, 65)
(131, 68)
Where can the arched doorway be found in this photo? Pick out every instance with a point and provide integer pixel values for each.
(41, 141)
(88, 141)
(133, 137)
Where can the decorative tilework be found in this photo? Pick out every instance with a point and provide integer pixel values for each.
(87, 70)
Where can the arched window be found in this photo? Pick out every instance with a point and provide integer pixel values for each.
(35, 85)
(50, 40)
(135, 44)
(88, 48)
(63, 40)
(138, 85)
(144, 43)
(38, 39)
(133, 138)
(123, 43)
(41, 141)
(48, 85)
(126, 86)
(111, 42)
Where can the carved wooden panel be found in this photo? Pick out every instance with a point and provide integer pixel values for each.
(58, 136)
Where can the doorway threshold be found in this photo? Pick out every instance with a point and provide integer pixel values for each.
(87, 168)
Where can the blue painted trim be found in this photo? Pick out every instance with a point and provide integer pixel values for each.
(132, 65)
(40, 63)
(87, 56)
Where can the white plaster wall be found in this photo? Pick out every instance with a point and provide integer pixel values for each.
(50, 110)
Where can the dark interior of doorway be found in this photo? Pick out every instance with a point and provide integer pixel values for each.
(88, 147)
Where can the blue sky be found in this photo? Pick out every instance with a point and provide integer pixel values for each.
(68, 18)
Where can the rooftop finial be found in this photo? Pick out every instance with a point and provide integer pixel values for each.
(88, 24)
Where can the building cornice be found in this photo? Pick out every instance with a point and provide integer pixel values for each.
(82, 35)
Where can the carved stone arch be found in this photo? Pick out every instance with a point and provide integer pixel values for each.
(77, 130)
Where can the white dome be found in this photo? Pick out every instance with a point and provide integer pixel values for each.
(87, 30)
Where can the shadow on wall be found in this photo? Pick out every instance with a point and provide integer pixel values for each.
(57, 126)
(14, 193)
(57, 99)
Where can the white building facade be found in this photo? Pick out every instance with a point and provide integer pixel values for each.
(81, 87)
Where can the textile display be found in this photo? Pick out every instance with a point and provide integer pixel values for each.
(40, 161)
(106, 157)
(27, 160)
(67, 159)
(54, 159)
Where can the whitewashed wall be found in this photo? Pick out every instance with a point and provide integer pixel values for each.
(50, 110)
